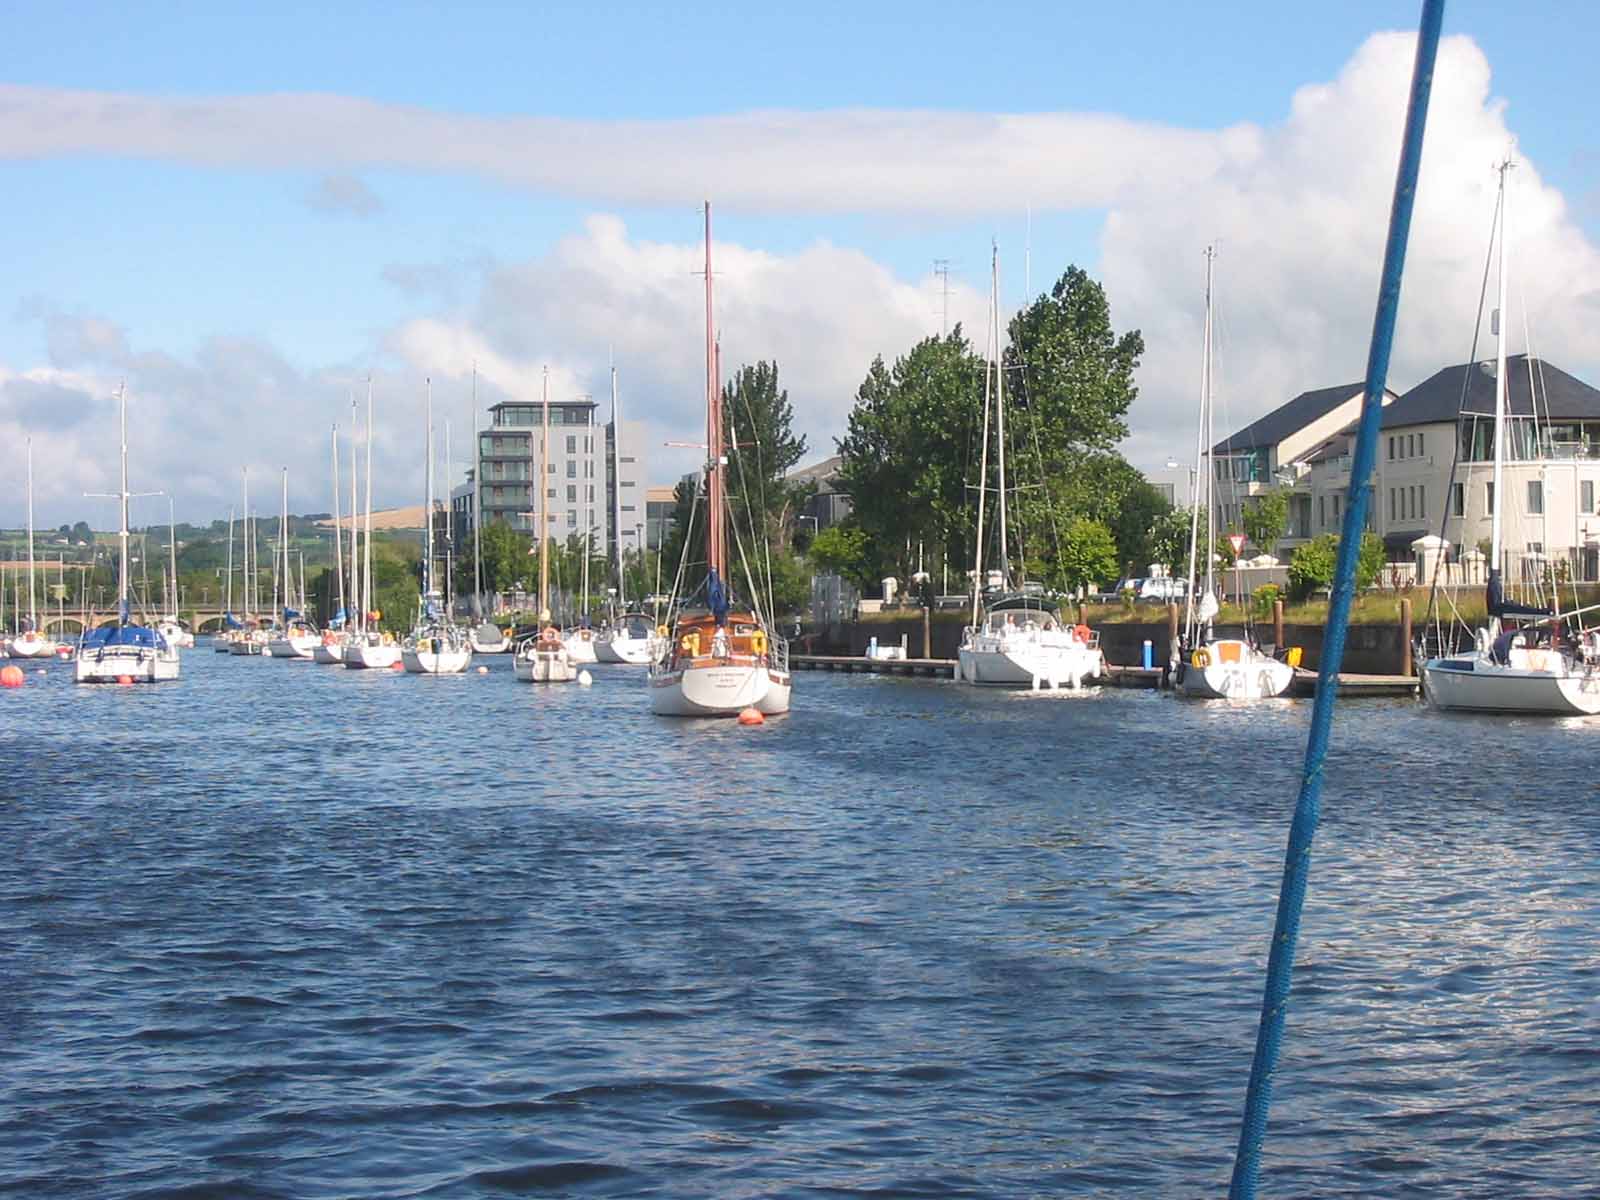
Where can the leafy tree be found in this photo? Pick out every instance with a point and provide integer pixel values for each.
(82, 533)
(1265, 518)
(910, 451)
(505, 559)
(1312, 565)
(1088, 555)
(1370, 561)
(846, 551)
(1140, 508)
(762, 447)
(1168, 540)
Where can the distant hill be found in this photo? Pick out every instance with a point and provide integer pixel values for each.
(388, 518)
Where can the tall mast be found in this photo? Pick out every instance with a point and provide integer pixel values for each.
(227, 605)
(172, 551)
(588, 510)
(366, 568)
(338, 534)
(616, 490)
(449, 529)
(543, 517)
(983, 460)
(355, 531)
(715, 554)
(427, 503)
(122, 533)
(33, 614)
(245, 592)
(1499, 388)
(477, 505)
(1000, 418)
(283, 546)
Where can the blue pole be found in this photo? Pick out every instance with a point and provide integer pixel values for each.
(1297, 861)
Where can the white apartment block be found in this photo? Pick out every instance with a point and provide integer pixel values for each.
(1434, 472)
(581, 491)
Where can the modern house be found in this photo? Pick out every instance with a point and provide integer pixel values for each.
(1433, 476)
(829, 504)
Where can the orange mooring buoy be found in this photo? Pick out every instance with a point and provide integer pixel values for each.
(397, 666)
(751, 716)
(11, 677)
(125, 680)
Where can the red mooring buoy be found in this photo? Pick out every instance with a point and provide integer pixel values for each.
(751, 716)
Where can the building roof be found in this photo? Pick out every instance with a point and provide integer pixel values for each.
(579, 402)
(660, 494)
(1438, 399)
(1289, 418)
(821, 473)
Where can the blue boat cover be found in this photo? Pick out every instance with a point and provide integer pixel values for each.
(124, 635)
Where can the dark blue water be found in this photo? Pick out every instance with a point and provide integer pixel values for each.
(282, 930)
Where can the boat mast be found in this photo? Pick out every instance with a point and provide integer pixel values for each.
(616, 489)
(283, 544)
(227, 604)
(449, 531)
(122, 533)
(427, 502)
(477, 506)
(542, 516)
(366, 570)
(1000, 415)
(983, 457)
(588, 512)
(244, 550)
(355, 531)
(1499, 394)
(715, 553)
(172, 552)
(1198, 488)
(338, 534)
(33, 613)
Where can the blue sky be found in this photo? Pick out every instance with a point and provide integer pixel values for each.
(178, 252)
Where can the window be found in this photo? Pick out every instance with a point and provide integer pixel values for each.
(1488, 498)
(1586, 495)
(1391, 504)
(572, 468)
(627, 459)
(1322, 510)
(1422, 501)
(627, 508)
(1535, 495)
(572, 443)
(1391, 450)
(591, 493)
(1420, 451)
(572, 493)
(629, 483)
(1458, 499)
(572, 518)
(551, 468)
(1336, 509)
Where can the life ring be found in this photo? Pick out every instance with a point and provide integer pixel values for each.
(663, 631)
(1082, 633)
(550, 634)
(1200, 658)
(691, 644)
(388, 639)
(758, 642)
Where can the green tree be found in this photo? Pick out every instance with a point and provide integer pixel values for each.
(1265, 518)
(845, 551)
(1088, 556)
(1168, 539)
(1312, 565)
(505, 559)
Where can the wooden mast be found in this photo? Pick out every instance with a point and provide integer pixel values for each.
(716, 554)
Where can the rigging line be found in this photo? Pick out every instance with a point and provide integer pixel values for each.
(1461, 404)
(761, 476)
(1297, 859)
(683, 556)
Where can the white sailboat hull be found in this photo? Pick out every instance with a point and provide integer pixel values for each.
(435, 662)
(635, 652)
(295, 646)
(580, 644)
(991, 663)
(141, 664)
(328, 653)
(1245, 675)
(721, 690)
(31, 645)
(478, 647)
(371, 657)
(545, 666)
(1474, 683)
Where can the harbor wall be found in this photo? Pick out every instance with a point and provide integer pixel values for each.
(1368, 649)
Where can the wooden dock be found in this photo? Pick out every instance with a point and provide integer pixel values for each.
(1351, 686)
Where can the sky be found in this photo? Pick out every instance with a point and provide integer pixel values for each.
(246, 214)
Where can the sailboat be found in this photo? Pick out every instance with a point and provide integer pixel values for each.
(170, 627)
(31, 642)
(485, 637)
(543, 658)
(368, 647)
(297, 637)
(1518, 661)
(436, 645)
(1208, 667)
(631, 634)
(1016, 639)
(250, 638)
(330, 648)
(580, 639)
(125, 650)
(718, 657)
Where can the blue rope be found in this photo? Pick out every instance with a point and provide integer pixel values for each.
(1297, 861)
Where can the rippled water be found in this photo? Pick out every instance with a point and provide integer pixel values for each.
(282, 930)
